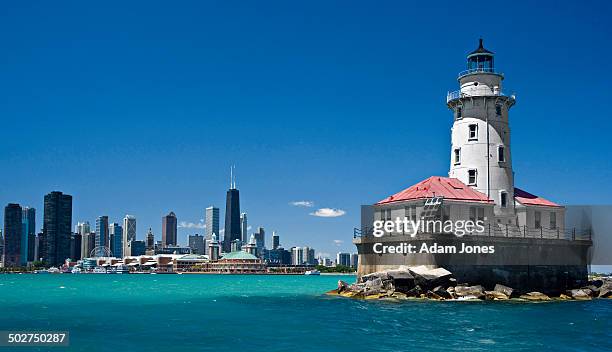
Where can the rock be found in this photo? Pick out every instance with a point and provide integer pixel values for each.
(382, 275)
(349, 294)
(463, 291)
(579, 294)
(434, 296)
(535, 296)
(429, 278)
(503, 289)
(594, 290)
(564, 297)
(495, 295)
(596, 282)
(605, 290)
(374, 296)
(399, 295)
(440, 291)
(342, 286)
(414, 292)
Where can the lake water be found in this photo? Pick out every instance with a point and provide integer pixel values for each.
(282, 313)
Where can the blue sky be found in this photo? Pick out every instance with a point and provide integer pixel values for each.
(141, 107)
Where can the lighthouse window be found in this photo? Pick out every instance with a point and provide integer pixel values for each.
(501, 157)
(477, 213)
(473, 132)
(457, 156)
(498, 110)
(537, 217)
(503, 199)
(458, 112)
(472, 177)
(553, 220)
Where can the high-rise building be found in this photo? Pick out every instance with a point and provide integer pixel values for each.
(129, 234)
(41, 247)
(169, 230)
(244, 228)
(232, 215)
(84, 229)
(308, 256)
(212, 222)
(275, 240)
(76, 241)
(297, 256)
(150, 240)
(138, 248)
(116, 240)
(196, 243)
(57, 228)
(354, 260)
(88, 242)
(102, 236)
(260, 238)
(1, 247)
(28, 227)
(13, 230)
(343, 259)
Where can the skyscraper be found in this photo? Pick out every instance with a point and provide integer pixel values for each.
(196, 243)
(13, 230)
(57, 226)
(275, 240)
(129, 234)
(84, 229)
(116, 240)
(260, 238)
(169, 230)
(75, 246)
(343, 259)
(244, 228)
(212, 222)
(102, 236)
(28, 227)
(232, 215)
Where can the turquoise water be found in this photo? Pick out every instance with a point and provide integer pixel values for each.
(281, 313)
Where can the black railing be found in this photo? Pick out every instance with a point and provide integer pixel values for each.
(498, 230)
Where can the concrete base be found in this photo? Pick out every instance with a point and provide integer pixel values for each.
(526, 264)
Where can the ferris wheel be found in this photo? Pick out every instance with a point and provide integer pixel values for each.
(100, 251)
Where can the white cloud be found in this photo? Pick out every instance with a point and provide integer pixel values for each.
(249, 228)
(302, 203)
(328, 212)
(191, 225)
(338, 242)
(323, 255)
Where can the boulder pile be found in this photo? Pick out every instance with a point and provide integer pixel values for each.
(425, 282)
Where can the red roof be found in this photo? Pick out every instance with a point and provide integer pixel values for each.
(527, 198)
(437, 186)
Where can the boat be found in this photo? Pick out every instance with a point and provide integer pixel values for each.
(312, 272)
(76, 270)
(53, 270)
(99, 270)
(122, 269)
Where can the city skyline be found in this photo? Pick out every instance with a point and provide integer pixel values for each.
(320, 116)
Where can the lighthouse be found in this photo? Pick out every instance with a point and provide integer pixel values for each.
(480, 135)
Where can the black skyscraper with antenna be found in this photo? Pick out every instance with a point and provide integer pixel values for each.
(232, 215)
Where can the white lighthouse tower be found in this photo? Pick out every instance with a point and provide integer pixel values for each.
(480, 137)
